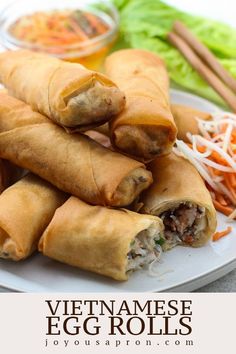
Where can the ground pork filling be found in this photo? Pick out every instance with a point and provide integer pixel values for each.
(144, 249)
(184, 224)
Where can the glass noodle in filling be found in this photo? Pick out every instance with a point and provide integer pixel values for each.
(183, 224)
(145, 249)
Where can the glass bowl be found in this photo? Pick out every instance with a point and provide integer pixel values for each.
(90, 53)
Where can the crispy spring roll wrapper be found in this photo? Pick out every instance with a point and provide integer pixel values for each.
(68, 93)
(74, 163)
(111, 242)
(146, 128)
(180, 197)
(186, 120)
(26, 208)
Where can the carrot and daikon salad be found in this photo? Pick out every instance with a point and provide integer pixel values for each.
(58, 27)
(213, 153)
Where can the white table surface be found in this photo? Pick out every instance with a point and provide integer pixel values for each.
(224, 11)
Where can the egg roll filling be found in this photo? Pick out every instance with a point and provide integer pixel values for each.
(184, 224)
(145, 249)
(94, 104)
(132, 185)
(143, 140)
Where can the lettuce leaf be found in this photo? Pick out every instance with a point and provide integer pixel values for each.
(145, 24)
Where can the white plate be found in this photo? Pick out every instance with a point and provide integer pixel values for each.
(181, 269)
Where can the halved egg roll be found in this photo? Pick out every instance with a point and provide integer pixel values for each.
(26, 208)
(146, 128)
(112, 242)
(186, 120)
(180, 198)
(68, 93)
(74, 163)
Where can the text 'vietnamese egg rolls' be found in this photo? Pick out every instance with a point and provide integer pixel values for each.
(145, 128)
(74, 163)
(180, 198)
(68, 93)
(26, 208)
(186, 120)
(112, 242)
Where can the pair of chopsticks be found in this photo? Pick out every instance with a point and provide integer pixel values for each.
(204, 62)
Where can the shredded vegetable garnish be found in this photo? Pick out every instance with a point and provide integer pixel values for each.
(218, 235)
(213, 153)
(58, 28)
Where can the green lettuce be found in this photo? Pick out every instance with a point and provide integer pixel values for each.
(145, 24)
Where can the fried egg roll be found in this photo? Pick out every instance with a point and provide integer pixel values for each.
(68, 93)
(26, 208)
(186, 120)
(74, 163)
(180, 198)
(145, 129)
(111, 242)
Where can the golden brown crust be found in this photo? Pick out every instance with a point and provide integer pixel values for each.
(176, 181)
(74, 163)
(143, 78)
(68, 93)
(96, 238)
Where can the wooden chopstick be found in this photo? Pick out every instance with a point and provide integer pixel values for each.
(202, 68)
(205, 54)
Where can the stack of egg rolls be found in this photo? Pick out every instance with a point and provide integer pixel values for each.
(111, 242)
(145, 129)
(26, 208)
(106, 241)
(69, 214)
(74, 163)
(180, 198)
(68, 93)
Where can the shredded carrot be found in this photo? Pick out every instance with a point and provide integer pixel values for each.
(221, 199)
(223, 209)
(230, 187)
(232, 179)
(218, 235)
